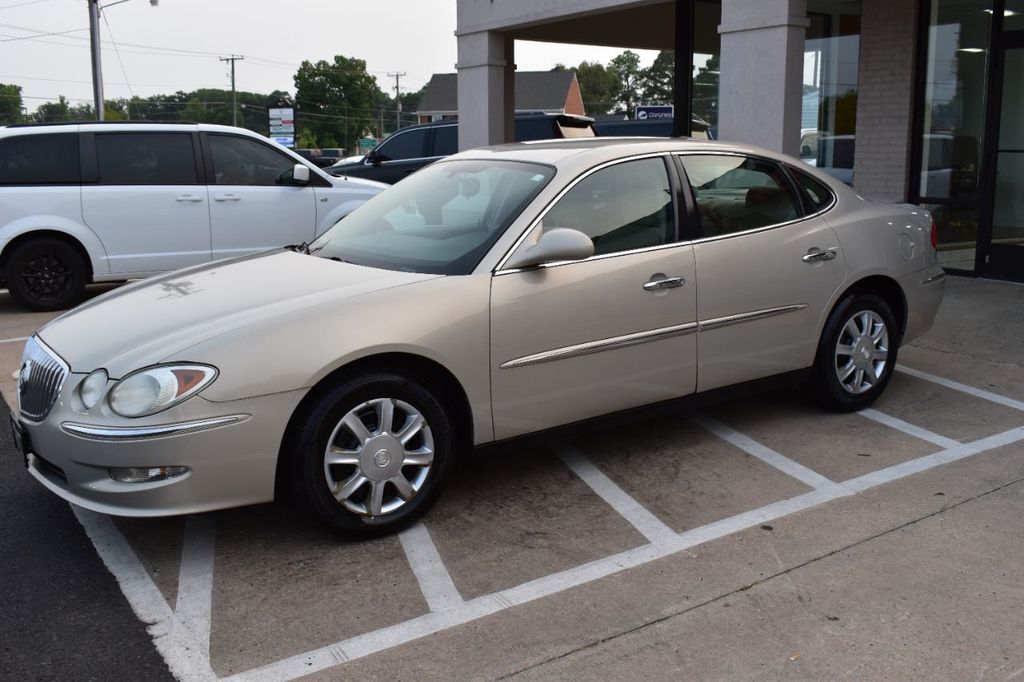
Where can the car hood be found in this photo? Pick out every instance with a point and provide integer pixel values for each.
(345, 181)
(144, 323)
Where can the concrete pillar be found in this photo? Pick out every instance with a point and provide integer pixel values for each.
(885, 98)
(485, 89)
(761, 84)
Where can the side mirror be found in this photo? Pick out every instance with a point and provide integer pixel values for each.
(300, 174)
(556, 244)
(373, 158)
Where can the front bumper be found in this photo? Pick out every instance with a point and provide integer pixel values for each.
(229, 448)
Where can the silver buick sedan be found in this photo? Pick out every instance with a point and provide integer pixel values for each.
(500, 292)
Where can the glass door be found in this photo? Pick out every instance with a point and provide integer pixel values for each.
(1004, 252)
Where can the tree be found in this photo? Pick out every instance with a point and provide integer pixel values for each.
(337, 101)
(658, 79)
(10, 104)
(627, 67)
(50, 112)
(599, 86)
(705, 91)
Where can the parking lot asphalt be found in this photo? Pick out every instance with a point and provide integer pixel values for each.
(759, 539)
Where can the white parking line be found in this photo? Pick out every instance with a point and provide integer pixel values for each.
(964, 388)
(422, 626)
(762, 452)
(185, 658)
(434, 579)
(644, 521)
(195, 579)
(908, 428)
(20, 338)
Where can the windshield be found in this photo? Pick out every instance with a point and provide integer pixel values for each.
(441, 220)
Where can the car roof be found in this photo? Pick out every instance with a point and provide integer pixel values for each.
(84, 126)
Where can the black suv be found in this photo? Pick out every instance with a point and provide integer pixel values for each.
(417, 146)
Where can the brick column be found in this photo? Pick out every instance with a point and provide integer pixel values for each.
(888, 45)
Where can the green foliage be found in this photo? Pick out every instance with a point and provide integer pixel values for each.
(599, 86)
(627, 67)
(337, 101)
(705, 91)
(10, 104)
(657, 79)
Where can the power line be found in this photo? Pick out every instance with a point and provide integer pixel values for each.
(118, 53)
(22, 4)
(398, 97)
(234, 95)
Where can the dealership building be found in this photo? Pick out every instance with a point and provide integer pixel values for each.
(906, 100)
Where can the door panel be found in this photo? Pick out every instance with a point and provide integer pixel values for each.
(763, 273)
(148, 208)
(591, 302)
(251, 209)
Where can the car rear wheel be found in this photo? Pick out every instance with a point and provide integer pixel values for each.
(856, 353)
(369, 457)
(46, 274)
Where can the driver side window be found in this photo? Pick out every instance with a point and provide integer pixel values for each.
(239, 161)
(623, 207)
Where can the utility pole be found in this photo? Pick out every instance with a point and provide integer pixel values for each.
(398, 100)
(97, 69)
(234, 95)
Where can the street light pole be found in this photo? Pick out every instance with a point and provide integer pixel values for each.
(97, 68)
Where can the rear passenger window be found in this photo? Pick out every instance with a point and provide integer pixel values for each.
(146, 159)
(446, 140)
(819, 195)
(622, 207)
(738, 193)
(40, 160)
(401, 146)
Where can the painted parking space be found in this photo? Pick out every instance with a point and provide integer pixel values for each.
(258, 593)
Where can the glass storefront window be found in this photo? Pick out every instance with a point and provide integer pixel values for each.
(954, 121)
(1013, 15)
(707, 51)
(831, 64)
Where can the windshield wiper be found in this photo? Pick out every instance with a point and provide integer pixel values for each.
(301, 247)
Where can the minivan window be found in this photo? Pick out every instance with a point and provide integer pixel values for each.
(446, 140)
(146, 159)
(50, 159)
(441, 220)
(739, 193)
(241, 161)
(403, 145)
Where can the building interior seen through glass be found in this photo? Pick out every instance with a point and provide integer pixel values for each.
(954, 124)
(707, 52)
(828, 122)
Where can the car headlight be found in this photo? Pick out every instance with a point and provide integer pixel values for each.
(155, 389)
(91, 389)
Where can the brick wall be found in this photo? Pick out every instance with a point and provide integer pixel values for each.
(884, 99)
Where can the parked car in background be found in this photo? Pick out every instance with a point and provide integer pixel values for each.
(662, 127)
(98, 202)
(412, 148)
(499, 292)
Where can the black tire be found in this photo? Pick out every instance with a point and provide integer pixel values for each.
(306, 445)
(45, 274)
(825, 386)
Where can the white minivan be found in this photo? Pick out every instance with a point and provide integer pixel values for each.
(100, 202)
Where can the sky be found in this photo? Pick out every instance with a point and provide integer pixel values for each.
(175, 45)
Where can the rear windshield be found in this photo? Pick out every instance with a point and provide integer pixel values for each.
(441, 220)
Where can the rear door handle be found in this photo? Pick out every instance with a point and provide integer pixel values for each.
(816, 255)
(227, 197)
(666, 283)
(188, 197)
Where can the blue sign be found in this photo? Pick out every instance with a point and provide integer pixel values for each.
(654, 112)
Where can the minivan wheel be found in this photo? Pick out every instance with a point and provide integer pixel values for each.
(856, 354)
(46, 274)
(370, 456)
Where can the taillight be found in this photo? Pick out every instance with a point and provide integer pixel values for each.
(935, 237)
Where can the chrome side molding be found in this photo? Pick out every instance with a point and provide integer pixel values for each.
(118, 433)
(601, 345)
(934, 278)
(719, 322)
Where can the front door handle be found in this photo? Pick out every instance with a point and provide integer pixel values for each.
(816, 255)
(227, 197)
(666, 283)
(188, 197)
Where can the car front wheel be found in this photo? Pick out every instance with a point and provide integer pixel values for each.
(46, 274)
(856, 353)
(370, 455)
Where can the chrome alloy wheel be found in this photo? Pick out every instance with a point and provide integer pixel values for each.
(378, 456)
(862, 352)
